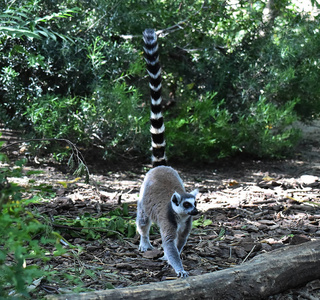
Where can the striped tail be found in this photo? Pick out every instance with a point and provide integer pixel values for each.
(156, 118)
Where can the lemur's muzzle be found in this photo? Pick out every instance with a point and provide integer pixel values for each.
(193, 212)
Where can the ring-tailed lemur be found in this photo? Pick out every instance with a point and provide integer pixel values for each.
(163, 199)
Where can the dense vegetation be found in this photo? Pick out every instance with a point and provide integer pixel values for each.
(238, 73)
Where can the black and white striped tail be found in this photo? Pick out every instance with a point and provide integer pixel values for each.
(156, 118)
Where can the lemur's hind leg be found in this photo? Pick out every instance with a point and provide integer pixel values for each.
(143, 226)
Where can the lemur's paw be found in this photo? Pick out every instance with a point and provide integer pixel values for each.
(145, 247)
(182, 273)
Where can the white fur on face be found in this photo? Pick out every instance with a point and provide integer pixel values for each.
(185, 206)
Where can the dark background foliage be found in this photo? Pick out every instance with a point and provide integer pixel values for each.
(236, 75)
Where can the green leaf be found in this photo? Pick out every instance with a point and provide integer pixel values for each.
(4, 158)
(20, 32)
(207, 222)
(21, 162)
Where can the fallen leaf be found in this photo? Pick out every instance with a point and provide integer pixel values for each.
(233, 183)
(268, 178)
(65, 183)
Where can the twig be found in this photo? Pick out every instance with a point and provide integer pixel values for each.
(234, 217)
(75, 152)
(171, 278)
(178, 26)
(166, 31)
(248, 254)
(90, 283)
(269, 201)
(50, 289)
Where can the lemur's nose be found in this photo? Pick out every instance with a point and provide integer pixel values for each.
(193, 212)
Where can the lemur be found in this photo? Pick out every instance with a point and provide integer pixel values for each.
(163, 199)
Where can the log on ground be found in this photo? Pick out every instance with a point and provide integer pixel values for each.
(267, 274)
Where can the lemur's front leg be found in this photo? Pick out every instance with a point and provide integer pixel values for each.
(173, 256)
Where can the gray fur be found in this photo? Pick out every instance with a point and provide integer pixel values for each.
(163, 201)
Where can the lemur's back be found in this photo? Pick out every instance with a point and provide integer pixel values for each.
(156, 192)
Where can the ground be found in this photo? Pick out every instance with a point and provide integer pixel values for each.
(247, 207)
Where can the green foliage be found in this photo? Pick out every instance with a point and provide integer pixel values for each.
(23, 237)
(55, 117)
(206, 127)
(266, 131)
(75, 71)
(116, 223)
(210, 130)
(26, 236)
(201, 222)
(20, 22)
(110, 117)
(114, 117)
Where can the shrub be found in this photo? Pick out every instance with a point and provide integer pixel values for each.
(208, 130)
(92, 64)
(111, 117)
(267, 130)
(201, 131)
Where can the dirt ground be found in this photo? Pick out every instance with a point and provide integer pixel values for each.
(247, 207)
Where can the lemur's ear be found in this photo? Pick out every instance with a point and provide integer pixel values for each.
(195, 192)
(176, 198)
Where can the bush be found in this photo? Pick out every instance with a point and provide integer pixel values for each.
(111, 117)
(84, 64)
(201, 131)
(211, 131)
(267, 130)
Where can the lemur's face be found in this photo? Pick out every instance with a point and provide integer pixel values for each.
(184, 204)
(190, 206)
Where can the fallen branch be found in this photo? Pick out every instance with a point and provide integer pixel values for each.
(265, 275)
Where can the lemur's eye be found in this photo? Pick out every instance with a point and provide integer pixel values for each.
(187, 205)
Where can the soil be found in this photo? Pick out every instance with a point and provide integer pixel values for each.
(247, 207)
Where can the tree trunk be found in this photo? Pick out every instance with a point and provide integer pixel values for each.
(267, 274)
